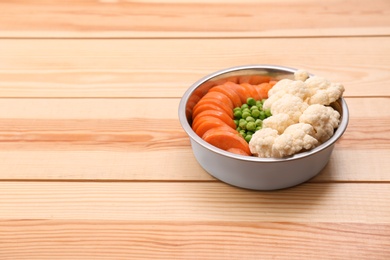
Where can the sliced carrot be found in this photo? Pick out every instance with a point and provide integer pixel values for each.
(230, 93)
(233, 79)
(254, 79)
(225, 140)
(237, 151)
(207, 124)
(273, 82)
(192, 101)
(215, 102)
(203, 88)
(240, 90)
(197, 124)
(210, 106)
(251, 89)
(218, 114)
(220, 96)
(199, 120)
(263, 89)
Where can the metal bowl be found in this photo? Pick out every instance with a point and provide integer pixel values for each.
(248, 171)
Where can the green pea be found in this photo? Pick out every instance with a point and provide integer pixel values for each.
(260, 106)
(248, 138)
(235, 122)
(251, 101)
(246, 114)
(238, 129)
(242, 124)
(244, 106)
(263, 100)
(254, 108)
(258, 122)
(237, 114)
(250, 132)
(258, 102)
(246, 110)
(258, 128)
(262, 115)
(237, 109)
(250, 119)
(251, 126)
(242, 133)
(255, 113)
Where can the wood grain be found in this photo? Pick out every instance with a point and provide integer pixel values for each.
(99, 239)
(168, 67)
(264, 18)
(182, 201)
(95, 165)
(116, 139)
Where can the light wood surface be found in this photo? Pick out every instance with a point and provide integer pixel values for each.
(95, 165)
(122, 68)
(190, 18)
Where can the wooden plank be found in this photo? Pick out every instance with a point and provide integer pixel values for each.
(179, 165)
(98, 239)
(186, 201)
(263, 18)
(139, 68)
(115, 139)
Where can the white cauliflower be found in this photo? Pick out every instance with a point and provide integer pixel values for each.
(296, 137)
(279, 122)
(280, 85)
(291, 105)
(286, 86)
(262, 142)
(268, 143)
(301, 116)
(323, 91)
(323, 119)
(301, 75)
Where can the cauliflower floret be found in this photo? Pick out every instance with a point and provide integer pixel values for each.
(294, 139)
(301, 75)
(278, 122)
(280, 85)
(323, 119)
(291, 105)
(323, 91)
(268, 143)
(262, 142)
(283, 87)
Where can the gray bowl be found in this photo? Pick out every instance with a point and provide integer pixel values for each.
(248, 171)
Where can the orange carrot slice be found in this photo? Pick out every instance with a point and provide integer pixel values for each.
(220, 96)
(273, 82)
(199, 120)
(251, 89)
(254, 79)
(210, 106)
(231, 94)
(226, 140)
(240, 90)
(216, 102)
(218, 114)
(207, 124)
(263, 89)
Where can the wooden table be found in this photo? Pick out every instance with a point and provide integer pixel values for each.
(95, 165)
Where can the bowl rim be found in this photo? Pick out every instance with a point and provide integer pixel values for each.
(193, 136)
